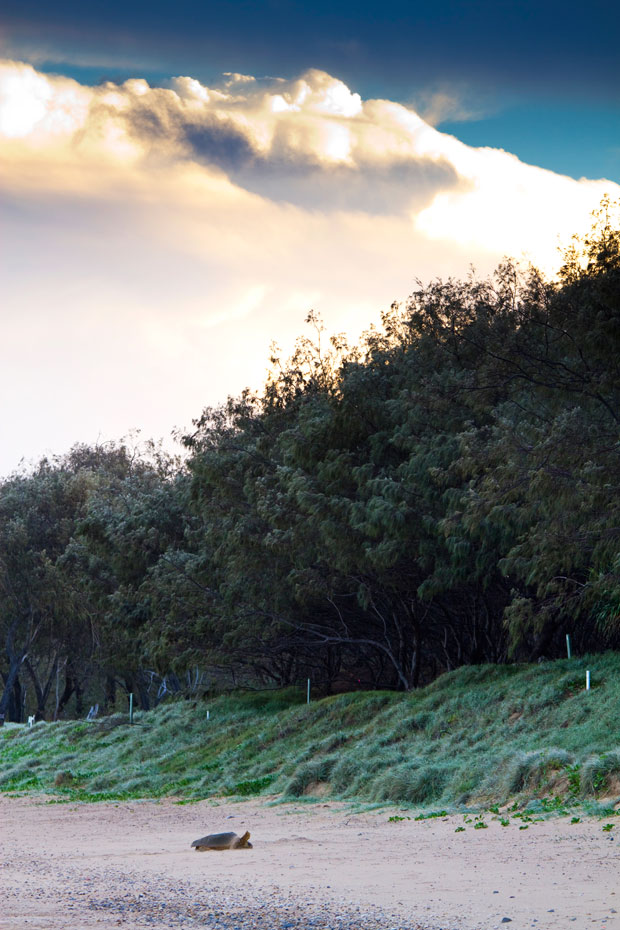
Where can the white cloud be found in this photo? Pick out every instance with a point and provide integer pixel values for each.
(158, 239)
(440, 104)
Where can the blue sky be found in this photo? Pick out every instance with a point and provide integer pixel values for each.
(182, 183)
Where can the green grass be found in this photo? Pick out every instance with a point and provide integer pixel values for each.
(482, 735)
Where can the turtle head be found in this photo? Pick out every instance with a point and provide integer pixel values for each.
(242, 842)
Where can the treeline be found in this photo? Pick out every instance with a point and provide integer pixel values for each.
(445, 492)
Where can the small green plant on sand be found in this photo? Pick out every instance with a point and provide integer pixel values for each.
(553, 805)
(607, 827)
(431, 815)
(522, 816)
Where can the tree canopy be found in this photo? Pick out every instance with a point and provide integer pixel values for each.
(443, 492)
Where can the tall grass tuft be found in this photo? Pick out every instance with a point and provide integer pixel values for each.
(534, 771)
(414, 783)
(600, 775)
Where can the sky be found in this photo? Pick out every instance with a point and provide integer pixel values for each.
(181, 184)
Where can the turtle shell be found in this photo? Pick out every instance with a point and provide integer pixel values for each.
(222, 841)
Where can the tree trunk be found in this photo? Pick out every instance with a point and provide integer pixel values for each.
(417, 655)
(7, 701)
(110, 693)
(41, 692)
(67, 693)
(79, 699)
(143, 691)
(16, 702)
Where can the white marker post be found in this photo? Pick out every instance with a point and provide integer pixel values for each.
(308, 698)
(568, 645)
(588, 680)
(131, 708)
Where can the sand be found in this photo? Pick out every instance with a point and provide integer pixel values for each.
(130, 864)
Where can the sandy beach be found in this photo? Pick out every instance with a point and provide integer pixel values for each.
(130, 864)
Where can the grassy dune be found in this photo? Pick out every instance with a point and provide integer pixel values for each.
(480, 735)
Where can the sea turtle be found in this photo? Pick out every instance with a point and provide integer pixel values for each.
(222, 841)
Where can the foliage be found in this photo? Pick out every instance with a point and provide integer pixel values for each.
(444, 493)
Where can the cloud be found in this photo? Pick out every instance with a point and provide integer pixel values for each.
(157, 239)
(310, 142)
(444, 104)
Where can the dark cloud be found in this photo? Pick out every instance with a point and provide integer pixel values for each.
(380, 190)
(218, 142)
(212, 140)
(209, 138)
